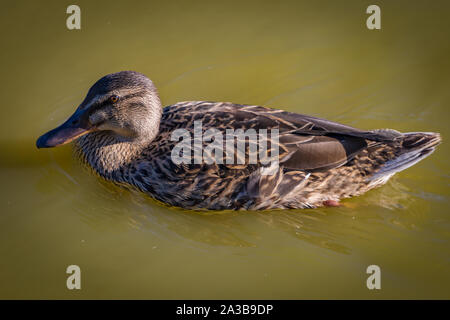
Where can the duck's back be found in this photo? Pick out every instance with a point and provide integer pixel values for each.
(318, 160)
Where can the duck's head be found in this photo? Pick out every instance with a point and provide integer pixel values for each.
(125, 104)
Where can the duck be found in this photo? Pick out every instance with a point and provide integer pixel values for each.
(121, 131)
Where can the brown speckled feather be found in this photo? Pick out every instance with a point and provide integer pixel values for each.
(319, 160)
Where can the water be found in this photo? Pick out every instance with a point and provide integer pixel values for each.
(317, 59)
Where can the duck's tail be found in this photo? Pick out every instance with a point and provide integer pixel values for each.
(414, 146)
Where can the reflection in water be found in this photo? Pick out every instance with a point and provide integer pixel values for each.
(104, 205)
(311, 226)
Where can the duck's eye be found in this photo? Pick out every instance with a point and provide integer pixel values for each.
(114, 98)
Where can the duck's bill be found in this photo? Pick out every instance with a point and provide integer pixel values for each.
(70, 130)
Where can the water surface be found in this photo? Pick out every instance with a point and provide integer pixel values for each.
(318, 59)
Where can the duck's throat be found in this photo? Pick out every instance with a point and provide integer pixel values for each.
(106, 153)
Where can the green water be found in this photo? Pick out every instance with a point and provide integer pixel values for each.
(316, 58)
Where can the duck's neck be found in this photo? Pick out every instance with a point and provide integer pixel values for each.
(108, 154)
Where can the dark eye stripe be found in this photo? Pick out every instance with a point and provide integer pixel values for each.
(107, 101)
(99, 105)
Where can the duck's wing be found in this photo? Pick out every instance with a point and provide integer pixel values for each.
(306, 143)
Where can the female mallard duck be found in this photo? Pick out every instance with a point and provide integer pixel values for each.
(123, 133)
